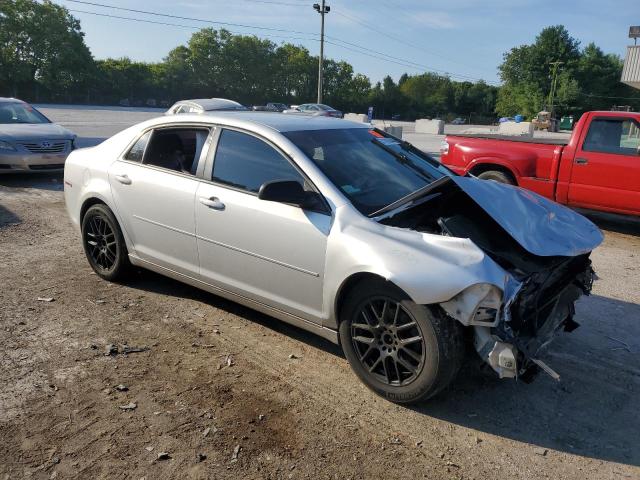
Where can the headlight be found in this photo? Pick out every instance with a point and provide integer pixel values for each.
(444, 147)
(6, 146)
(73, 143)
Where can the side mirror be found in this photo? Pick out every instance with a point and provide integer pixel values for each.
(283, 191)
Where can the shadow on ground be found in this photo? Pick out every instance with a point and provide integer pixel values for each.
(592, 411)
(39, 180)
(7, 217)
(616, 223)
(152, 282)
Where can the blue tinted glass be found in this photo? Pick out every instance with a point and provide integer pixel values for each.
(244, 161)
(372, 170)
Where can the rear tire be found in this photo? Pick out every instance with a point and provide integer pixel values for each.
(402, 351)
(497, 176)
(104, 243)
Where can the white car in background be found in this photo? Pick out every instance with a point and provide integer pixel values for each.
(204, 105)
(341, 230)
(29, 141)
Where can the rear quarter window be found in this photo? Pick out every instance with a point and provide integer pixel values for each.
(136, 152)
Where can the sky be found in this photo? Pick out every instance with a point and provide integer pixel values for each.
(465, 39)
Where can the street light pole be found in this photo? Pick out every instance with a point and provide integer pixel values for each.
(322, 10)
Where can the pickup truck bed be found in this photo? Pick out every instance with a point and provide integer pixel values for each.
(598, 168)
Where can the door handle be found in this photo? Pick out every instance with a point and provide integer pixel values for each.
(212, 202)
(581, 161)
(124, 179)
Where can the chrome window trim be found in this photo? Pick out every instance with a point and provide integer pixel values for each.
(181, 126)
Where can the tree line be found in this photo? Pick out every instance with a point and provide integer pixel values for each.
(44, 58)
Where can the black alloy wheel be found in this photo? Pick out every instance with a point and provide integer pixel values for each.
(388, 341)
(104, 244)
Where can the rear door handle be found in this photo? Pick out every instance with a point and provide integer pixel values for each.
(124, 179)
(212, 202)
(581, 161)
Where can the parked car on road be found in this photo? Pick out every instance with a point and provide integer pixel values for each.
(342, 230)
(28, 139)
(204, 105)
(276, 107)
(317, 109)
(458, 121)
(598, 168)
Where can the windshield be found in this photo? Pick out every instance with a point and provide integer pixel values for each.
(20, 113)
(371, 169)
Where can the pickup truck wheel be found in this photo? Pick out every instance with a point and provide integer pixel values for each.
(497, 176)
(402, 351)
(104, 244)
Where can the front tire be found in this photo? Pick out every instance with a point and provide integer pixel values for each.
(104, 243)
(402, 351)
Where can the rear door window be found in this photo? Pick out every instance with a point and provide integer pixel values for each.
(614, 135)
(177, 149)
(246, 162)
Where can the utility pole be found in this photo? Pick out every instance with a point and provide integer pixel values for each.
(322, 10)
(554, 81)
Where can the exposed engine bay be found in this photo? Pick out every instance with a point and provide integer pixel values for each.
(511, 325)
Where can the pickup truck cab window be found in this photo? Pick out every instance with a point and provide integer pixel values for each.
(246, 162)
(613, 135)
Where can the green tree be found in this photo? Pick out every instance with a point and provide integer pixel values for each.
(526, 72)
(42, 48)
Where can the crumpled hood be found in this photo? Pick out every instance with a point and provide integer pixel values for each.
(34, 131)
(540, 226)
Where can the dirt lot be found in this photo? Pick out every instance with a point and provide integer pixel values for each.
(216, 379)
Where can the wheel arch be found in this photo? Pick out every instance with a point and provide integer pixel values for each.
(480, 168)
(88, 203)
(92, 200)
(348, 285)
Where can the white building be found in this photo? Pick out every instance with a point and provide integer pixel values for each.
(631, 69)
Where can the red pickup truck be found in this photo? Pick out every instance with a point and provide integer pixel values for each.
(597, 169)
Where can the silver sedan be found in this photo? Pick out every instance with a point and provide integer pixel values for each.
(343, 231)
(28, 139)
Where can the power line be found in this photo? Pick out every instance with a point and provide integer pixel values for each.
(178, 17)
(372, 53)
(398, 39)
(191, 27)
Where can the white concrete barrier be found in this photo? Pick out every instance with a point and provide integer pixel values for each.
(395, 130)
(356, 117)
(435, 127)
(524, 129)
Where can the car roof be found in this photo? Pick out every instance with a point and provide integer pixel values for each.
(212, 103)
(10, 100)
(280, 122)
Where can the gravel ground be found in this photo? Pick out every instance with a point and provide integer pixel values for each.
(216, 389)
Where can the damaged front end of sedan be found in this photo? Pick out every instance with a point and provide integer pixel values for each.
(542, 247)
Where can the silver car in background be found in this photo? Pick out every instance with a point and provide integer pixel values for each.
(317, 109)
(204, 105)
(29, 141)
(342, 230)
